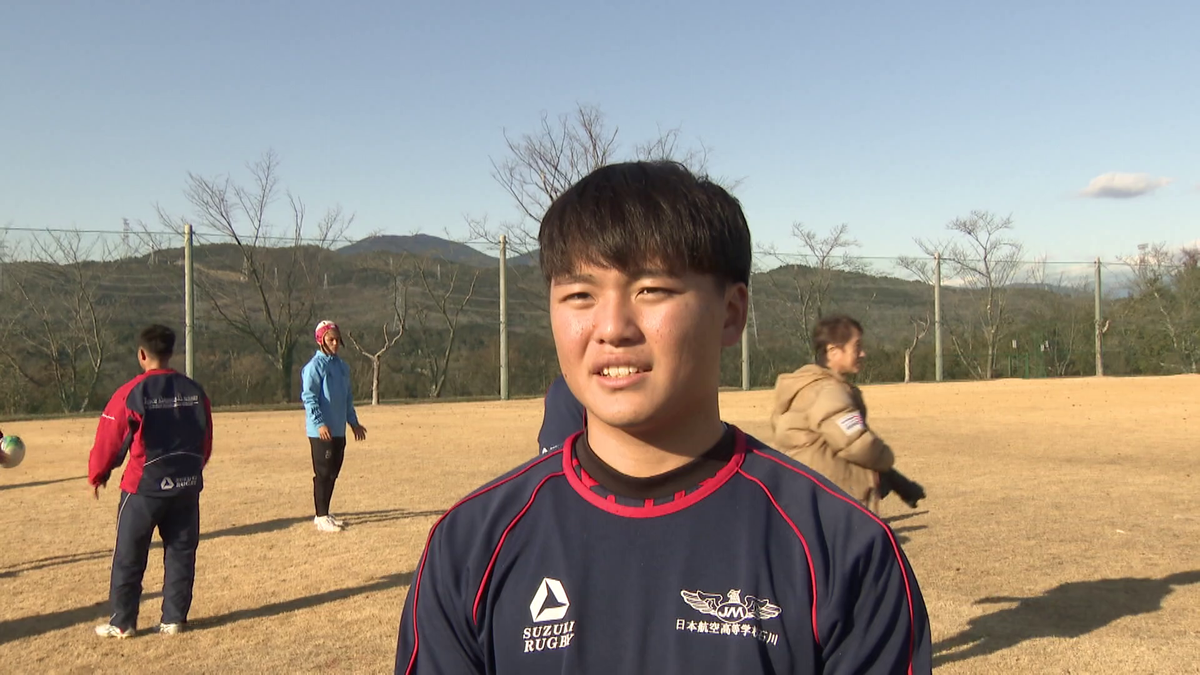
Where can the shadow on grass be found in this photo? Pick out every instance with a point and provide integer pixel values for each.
(39, 483)
(902, 532)
(352, 519)
(307, 602)
(1071, 610)
(53, 561)
(904, 516)
(29, 626)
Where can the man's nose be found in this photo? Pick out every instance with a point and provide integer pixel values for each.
(616, 321)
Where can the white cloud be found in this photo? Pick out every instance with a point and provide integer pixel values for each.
(1116, 185)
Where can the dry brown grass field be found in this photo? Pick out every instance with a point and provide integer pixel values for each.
(1061, 534)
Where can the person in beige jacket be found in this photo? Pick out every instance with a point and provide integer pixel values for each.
(820, 420)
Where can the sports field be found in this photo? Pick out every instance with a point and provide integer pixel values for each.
(1061, 535)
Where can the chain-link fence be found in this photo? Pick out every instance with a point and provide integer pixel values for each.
(422, 315)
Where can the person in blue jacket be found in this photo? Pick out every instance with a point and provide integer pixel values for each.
(328, 407)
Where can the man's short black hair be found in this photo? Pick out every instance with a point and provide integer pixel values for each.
(834, 330)
(158, 341)
(637, 216)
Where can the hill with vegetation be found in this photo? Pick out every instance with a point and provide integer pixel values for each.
(434, 305)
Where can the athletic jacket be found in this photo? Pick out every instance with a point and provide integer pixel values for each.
(818, 420)
(162, 420)
(327, 395)
(766, 567)
(563, 415)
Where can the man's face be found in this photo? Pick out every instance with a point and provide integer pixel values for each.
(332, 341)
(847, 359)
(642, 351)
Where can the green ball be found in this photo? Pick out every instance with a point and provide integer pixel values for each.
(12, 452)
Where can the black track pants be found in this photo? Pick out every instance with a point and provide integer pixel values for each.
(327, 459)
(177, 520)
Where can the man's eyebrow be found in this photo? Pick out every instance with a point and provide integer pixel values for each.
(575, 278)
(653, 272)
(640, 273)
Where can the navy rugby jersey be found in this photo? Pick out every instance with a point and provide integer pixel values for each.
(762, 567)
(162, 420)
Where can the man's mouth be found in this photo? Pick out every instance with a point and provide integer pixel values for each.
(619, 371)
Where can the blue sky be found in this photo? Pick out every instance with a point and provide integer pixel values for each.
(891, 117)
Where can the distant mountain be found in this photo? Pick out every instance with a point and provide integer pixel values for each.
(530, 258)
(422, 245)
(436, 247)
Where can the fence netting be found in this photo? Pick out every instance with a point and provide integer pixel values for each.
(425, 321)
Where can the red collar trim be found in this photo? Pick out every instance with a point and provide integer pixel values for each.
(707, 488)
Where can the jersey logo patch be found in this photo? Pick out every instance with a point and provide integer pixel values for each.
(541, 609)
(737, 616)
(550, 603)
(852, 423)
(731, 609)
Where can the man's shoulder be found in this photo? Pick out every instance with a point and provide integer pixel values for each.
(765, 462)
(122, 392)
(494, 504)
(805, 494)
(839, 531)
(158, 384)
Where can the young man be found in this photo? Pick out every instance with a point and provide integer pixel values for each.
(162, 420)
(328, 406)
(658, 539)
(562, 416)
(819, 419)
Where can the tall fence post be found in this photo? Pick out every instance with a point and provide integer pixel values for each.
(503, 318)
(939, 363)
(746, 346)
(189, 303)
(1099, 327)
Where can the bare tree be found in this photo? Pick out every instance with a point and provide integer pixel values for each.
(984, 259)
(435, 360)
(1060, 311)
(393, 329)
(1167, 286)
(541, 165)
(920, 329)
(63, 325)
(275, 300)
(809, 283)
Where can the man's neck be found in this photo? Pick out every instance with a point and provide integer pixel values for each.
(641, 455)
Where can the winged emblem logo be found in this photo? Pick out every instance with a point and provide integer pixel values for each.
(731, 608)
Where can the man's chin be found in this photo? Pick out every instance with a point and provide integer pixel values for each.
(630, 422)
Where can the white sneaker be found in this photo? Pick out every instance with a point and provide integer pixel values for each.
(336, 521)
(170, 628)
(326, 524)
(109, 630)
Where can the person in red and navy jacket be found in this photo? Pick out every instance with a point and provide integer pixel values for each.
(658, 538)
(162, 421)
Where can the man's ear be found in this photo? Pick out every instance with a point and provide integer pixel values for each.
(737, 310)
